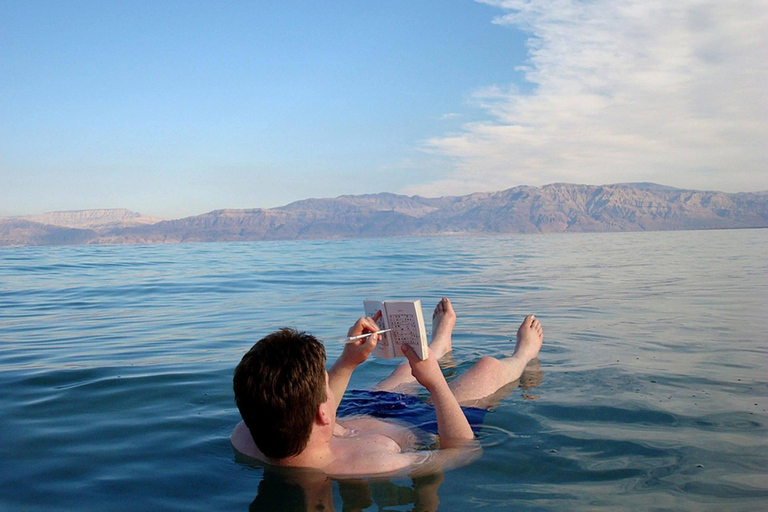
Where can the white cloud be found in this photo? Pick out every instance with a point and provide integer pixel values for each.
(650, 90)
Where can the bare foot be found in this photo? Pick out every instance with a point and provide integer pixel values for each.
(443, 320)
(529, 339)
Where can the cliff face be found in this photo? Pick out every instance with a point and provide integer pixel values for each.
(92, 219)
(553, 208)
(14, 232)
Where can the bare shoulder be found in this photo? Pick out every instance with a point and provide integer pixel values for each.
(243, 443)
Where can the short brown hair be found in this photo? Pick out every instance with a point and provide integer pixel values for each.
(279, 384)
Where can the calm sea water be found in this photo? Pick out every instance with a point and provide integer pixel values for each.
(116, 364)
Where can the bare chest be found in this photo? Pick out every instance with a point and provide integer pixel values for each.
(364, 443)
(367, 454)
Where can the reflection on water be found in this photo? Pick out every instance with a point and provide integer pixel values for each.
(303, 491)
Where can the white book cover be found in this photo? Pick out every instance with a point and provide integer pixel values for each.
(406, 320)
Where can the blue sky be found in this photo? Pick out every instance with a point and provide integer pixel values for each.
(178, 108)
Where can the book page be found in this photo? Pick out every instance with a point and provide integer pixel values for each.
(384, 347)
(406, 320)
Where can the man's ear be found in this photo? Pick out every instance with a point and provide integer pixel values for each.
(323, 416)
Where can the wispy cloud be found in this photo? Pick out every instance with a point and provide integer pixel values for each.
(625, 90)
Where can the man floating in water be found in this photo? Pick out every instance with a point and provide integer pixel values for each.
(289, 402)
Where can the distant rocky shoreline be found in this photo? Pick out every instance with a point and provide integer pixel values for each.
(555, 208)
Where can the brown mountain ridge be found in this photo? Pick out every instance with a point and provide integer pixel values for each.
(554, 208)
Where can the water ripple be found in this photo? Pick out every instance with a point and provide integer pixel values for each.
(117, 365)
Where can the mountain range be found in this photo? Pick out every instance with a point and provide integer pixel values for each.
(555, 208)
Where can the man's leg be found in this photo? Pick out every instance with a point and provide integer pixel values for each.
(443, 320)
(489, 375)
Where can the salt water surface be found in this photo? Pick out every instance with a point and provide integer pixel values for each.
(116, 366)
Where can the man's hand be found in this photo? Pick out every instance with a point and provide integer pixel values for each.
(452, 425)
(353, 354)
(427, 372)
(358, 351)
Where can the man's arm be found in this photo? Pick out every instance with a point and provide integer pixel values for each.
(354, 353)
(452, 426)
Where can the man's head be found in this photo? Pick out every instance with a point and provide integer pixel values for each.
(279, 385)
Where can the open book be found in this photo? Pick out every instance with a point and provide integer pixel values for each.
(406, 320)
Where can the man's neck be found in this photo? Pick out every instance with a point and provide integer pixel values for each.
(317, 453)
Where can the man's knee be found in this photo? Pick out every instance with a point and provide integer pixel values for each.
(488, 364)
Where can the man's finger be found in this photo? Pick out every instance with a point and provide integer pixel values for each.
(369, 323)
(410, 354)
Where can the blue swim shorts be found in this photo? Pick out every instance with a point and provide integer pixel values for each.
(409, 408)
